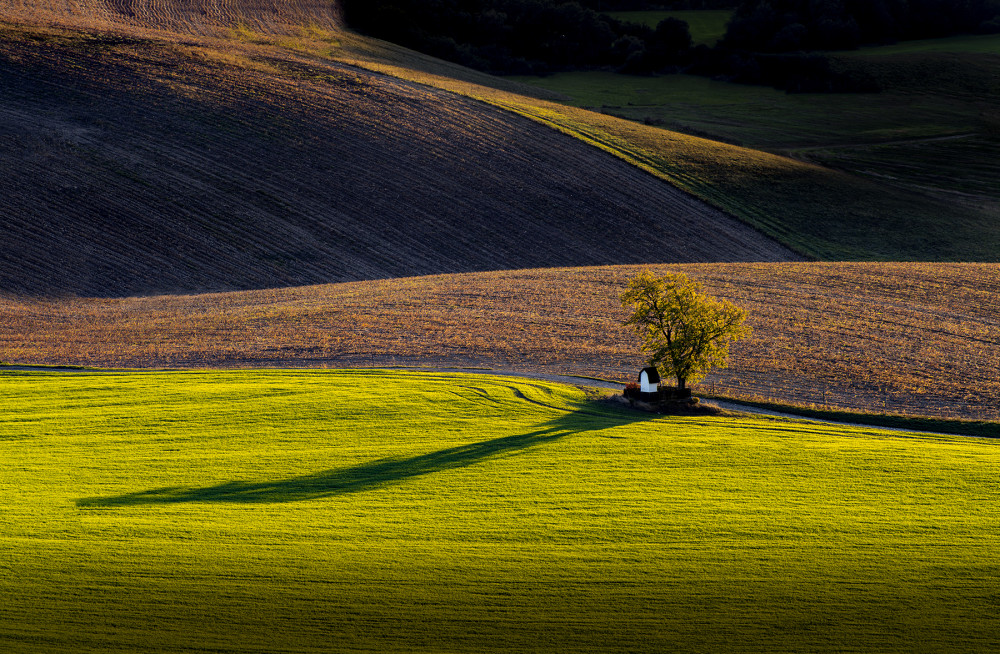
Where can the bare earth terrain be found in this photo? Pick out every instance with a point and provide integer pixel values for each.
(134, 166)
(906, 338)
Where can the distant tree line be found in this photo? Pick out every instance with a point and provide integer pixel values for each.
(522, 36)
(657, 5)
(769, 42)
(794, 25)
(773, 42)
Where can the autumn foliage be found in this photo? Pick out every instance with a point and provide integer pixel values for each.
(685, 331)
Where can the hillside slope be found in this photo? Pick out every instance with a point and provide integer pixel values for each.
(907, 338)
(133, 164)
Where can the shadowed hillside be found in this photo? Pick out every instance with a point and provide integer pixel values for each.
(133, 165)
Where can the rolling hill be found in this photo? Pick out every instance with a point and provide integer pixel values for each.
(908, 338)
(241, 512)
(151, 151)
(175, 147)
(138, 161)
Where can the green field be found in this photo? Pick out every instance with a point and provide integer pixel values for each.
(766, 118)
(925, 141)
(391, 511)
(930, 142)
(707, 26)
(981, 44)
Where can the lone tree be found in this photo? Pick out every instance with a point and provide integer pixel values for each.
(685, 331)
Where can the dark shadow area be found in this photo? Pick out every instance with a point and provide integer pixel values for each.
(375, 474)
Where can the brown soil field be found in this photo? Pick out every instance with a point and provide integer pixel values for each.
(131, 164)
(905, 338)
(196, 17)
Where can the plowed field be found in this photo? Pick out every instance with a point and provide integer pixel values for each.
(196, 17)
(131, 166)
(916, 339)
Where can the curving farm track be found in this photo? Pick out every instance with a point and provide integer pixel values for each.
(132, 163)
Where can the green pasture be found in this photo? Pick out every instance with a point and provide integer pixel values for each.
(822, 212)
(348, 511)
(707, 26)
(763, 117)
(974, 44)
(911, 172)
(932, 141)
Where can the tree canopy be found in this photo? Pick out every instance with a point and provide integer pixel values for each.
(685, 331)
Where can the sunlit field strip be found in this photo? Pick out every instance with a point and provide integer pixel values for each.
(254, 511)
(912, 339)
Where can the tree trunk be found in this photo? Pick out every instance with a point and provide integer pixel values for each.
(681, 382)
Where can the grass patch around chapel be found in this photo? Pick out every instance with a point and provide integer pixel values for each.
(393, 511)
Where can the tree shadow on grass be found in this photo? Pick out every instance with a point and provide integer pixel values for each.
(374, 474)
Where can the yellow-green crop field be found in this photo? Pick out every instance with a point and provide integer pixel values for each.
(341, 511)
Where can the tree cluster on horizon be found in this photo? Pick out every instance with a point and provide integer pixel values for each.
(796, 25)
(522, 36)
(772, 42)
(656, 5)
